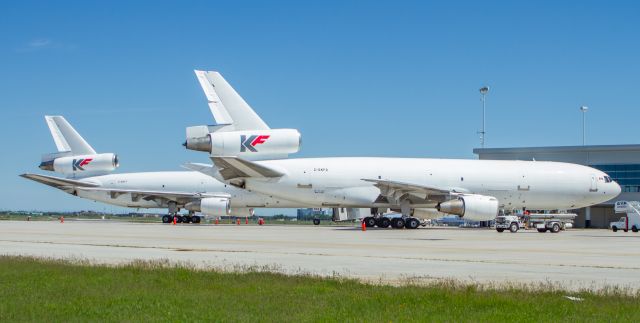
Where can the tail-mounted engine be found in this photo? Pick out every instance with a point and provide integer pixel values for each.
(80, 165)
(271, 142)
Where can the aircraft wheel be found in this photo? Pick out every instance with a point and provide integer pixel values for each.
(542, 230)
(369, 222)
(634, 228)
(412, 223)
(500, 229)
(195, 219)
(167, 219)
(614, 229)
(178, 219)
(187, 219)
(513, 228)
(383, 222)
(397, 223)
(316, 221)
(555, 228)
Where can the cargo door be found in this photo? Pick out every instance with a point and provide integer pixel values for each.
(594, 183)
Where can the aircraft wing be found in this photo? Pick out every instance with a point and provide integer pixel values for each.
(231, 168)
(397, 191)
(57, 182)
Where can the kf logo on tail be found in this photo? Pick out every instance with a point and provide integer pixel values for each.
(79, 163)
(251, 142)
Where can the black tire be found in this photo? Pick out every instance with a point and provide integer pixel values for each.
(196, 219)
(555, 228)
(167, 219)
(397, 223)
(412, 223)
(316, 221)
(614, 229)
(626, 230)
(186, 219)
(513, 228)
(370, 222)
(500, 229)
(542, 230)
(383, 222)
(178, 219)
(634, 228)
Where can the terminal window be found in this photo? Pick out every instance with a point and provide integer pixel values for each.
(626, 175)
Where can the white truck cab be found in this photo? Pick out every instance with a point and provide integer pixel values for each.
(511, 222)
(631, 220)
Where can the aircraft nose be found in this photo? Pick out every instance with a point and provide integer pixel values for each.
(616, 190)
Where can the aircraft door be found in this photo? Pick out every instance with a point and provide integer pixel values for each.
(594, 183)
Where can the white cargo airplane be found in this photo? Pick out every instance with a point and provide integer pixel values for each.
(87, 176)
(473, 189)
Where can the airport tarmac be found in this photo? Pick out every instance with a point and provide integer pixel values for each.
(574, 259)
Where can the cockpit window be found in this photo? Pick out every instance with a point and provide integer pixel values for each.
(607, 179)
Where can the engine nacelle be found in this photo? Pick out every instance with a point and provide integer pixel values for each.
(471, 207)
(82, 164)
(271, 142)
(212, 206)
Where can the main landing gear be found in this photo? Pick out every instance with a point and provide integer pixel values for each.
(396, 223)
(173, 214)
(181, 218)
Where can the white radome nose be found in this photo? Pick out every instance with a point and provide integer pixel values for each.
(615, 190)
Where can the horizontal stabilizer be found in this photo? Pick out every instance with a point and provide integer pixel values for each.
(202, 168)
(234, 167)
(58, 182)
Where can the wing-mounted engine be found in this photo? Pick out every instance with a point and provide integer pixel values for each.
(471, 207)
(80, 165)
(251, 144)
(211, 206)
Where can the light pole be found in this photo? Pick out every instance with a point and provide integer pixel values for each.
(584, 110)
(483, 91)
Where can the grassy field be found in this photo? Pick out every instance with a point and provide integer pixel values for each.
(39, 290)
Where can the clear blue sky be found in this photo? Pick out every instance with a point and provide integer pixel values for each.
(356, 78)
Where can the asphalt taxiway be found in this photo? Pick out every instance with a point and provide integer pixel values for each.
(573, 259)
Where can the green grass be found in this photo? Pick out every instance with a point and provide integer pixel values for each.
(62, 291)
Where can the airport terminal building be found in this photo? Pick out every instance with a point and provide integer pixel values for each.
(621, 162)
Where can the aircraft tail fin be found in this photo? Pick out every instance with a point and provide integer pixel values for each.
(226, 105)
(67, 139)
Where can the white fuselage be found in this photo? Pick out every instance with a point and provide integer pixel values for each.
(337, 182)
(516, 184)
